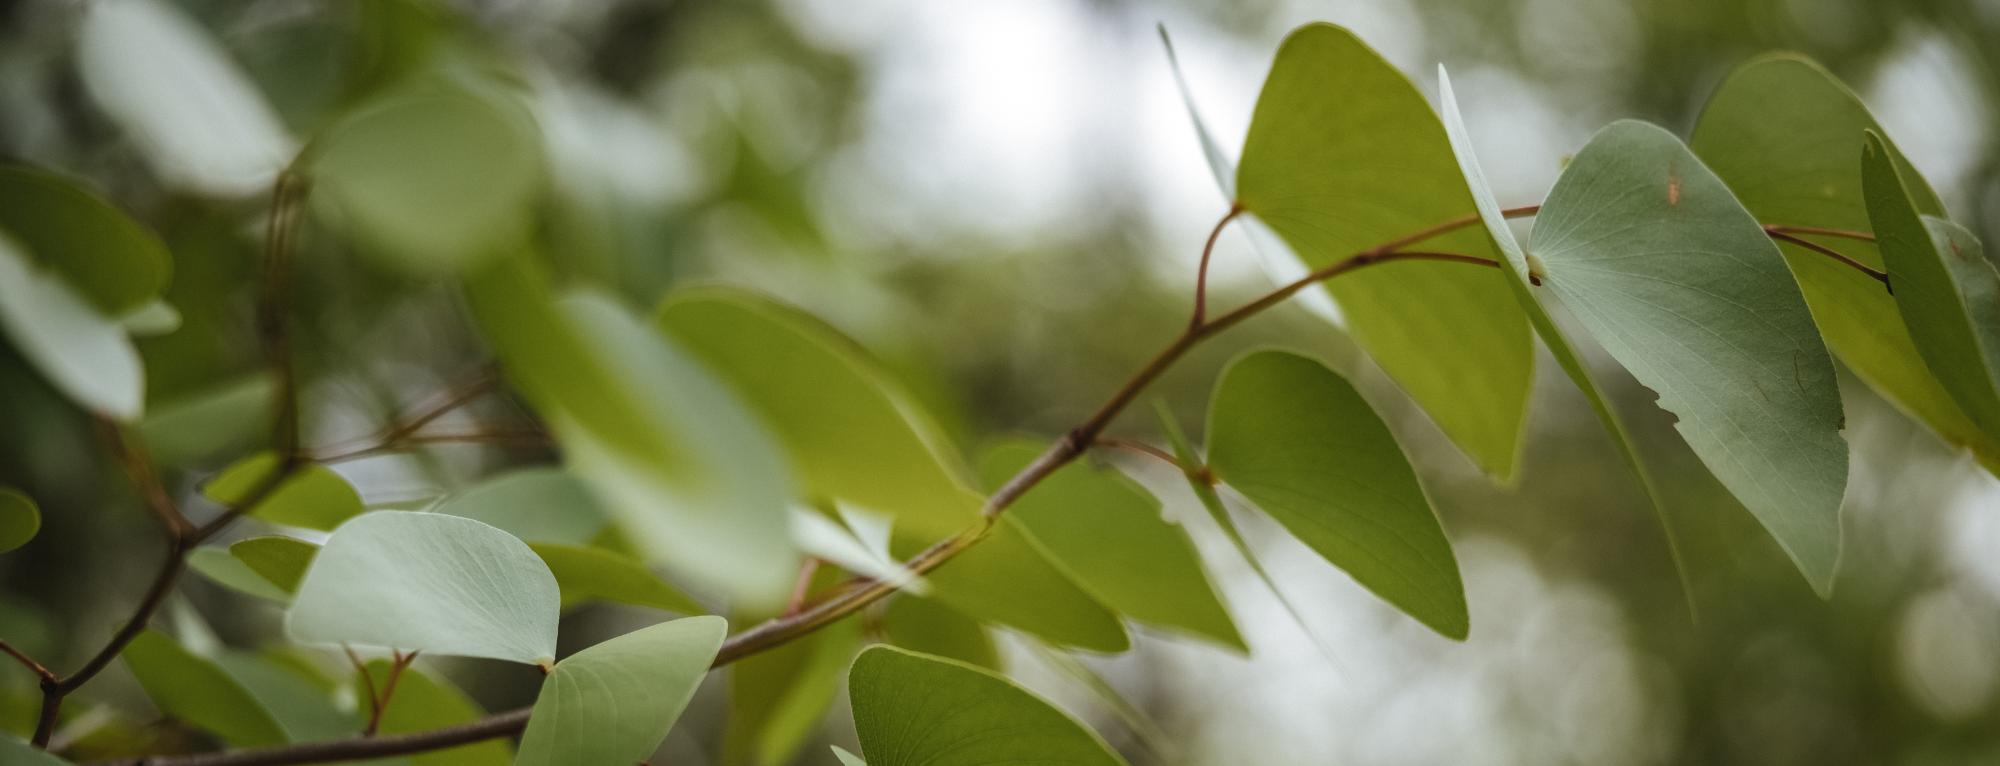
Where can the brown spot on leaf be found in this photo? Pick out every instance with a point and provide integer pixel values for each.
(1673, 187)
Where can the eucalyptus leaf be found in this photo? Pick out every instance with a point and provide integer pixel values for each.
(215, 563)
(540, 505)
(1787, 137)
(228, 418)
(587, 574)
(847, 758)
(616, 701)
(928, 627)
(196, 690)
(778, 697)
(422, 703)
(101, 253)
(1302, 444)
(428, 582)
(281, 561)
(20, 519)
(78, 350)
(912, 709)
(1945, 289)
(1344, 155)
(1108, 532)
(434, 178)
(198, 119)
(1654, 256)
(312, 497)
(305, 710)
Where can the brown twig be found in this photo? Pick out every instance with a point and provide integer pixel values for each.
(379, 706)
(39, 669)
(1843, 233)
(1141, 448)
(1201, 271)
(1779, 233)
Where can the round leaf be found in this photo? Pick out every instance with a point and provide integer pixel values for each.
(78, 349)
(616, 701)
(912, 709)
(105, 256)
(428, 582)
(313, 497)
(20, 519)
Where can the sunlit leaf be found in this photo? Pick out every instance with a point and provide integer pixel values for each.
(912, 709)
(20, 519)
(313, 497)
(1786, 136)
(777, 697)
(1655, 257)
(434, 178)
(81, 352)
(103, 255)
(1302, 444)
(196, 690)
(1343, 155)
(215, 563)
(588, 574)
(428, 582)
(1946, 290)
(195, 115)
(925, 626)
(423, 702)
(616, 701)
(539, 505)
(282, 561)
(1108, 532)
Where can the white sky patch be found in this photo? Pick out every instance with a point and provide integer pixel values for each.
(1925, 96)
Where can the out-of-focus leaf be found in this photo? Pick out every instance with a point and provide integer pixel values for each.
(82, 353)
(588, 574)
(847, 758)
(777, 697)
(313, 497)
(428, 582)
(304, 709)
(154, 317)
(1344, 155)
(423, 702)
(196, 690)
(1521, 279)
(856, 439)
(15, 751)
(677, 460)
(1946, 290)
(821, 537)
(20, 519)
(198, 119)
(539, 505)
(215, 563)
(105, 256)
(1108, 532)
(433, 179)
(929, 627)
(281, 561)
(1302, 444)
(1787, 136)
(616, 701)
(1655, 257)
(912, 709)
(229, 417)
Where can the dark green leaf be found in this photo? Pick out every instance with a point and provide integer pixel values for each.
(102, 254)
(20, 519)
(933, 628)
(195, 690)
(588, 574)
(912, 709)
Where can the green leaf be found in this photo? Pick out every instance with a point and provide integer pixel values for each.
(847, 758)
(434, 178)
(856, 439)
(20, 519)
(423, 703)
(428, 582)
(912, 709)
(81, 352)
(117, 265)
(932, 628)
(777, 698)
(1787, 136)
(1108, 532)
(302, 707)
(196, 117)
(1945, 289)
(593, 574)
(616, 701)
(230, 418)
(539, 505)
(215, 563)
(313, 497)
(196, 690)
(281, 561)
(1655, 257)
(1343, 155)
(1521, 278)
(15, 751)
(1302, 444)
(152, 318)
(678, 461)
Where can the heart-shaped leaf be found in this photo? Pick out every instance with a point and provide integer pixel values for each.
(1108, 532)
(1655, 257)
(616, 701)
(1787, 136)
(912, 709)
(1344, 155)
(194, 689)
(313, 497)
(1946, 290)
(80, 351)
(1302, 444)
(428, 582)
(20, 519)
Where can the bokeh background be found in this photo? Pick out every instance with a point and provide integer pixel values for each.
(1004, 200)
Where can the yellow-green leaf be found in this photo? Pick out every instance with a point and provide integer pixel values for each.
(313, 497)
(933, 628)
(912, 709)
(196, 690)
(20, 519)
(588, 574)
(282, 561)
(101, 253)
(615, 702)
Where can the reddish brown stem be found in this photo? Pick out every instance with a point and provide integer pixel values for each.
(1779, 234)
(1822, 231)
(1142, 448)
(1201, 271)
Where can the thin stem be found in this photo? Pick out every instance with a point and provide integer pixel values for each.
(1201, 272)
(273, 332)
(39, 669)
(139, 468)
(1779, 233)
(378, 707)
(368, 680)
(1843, 233)
(1141, 448)
(802, 586)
